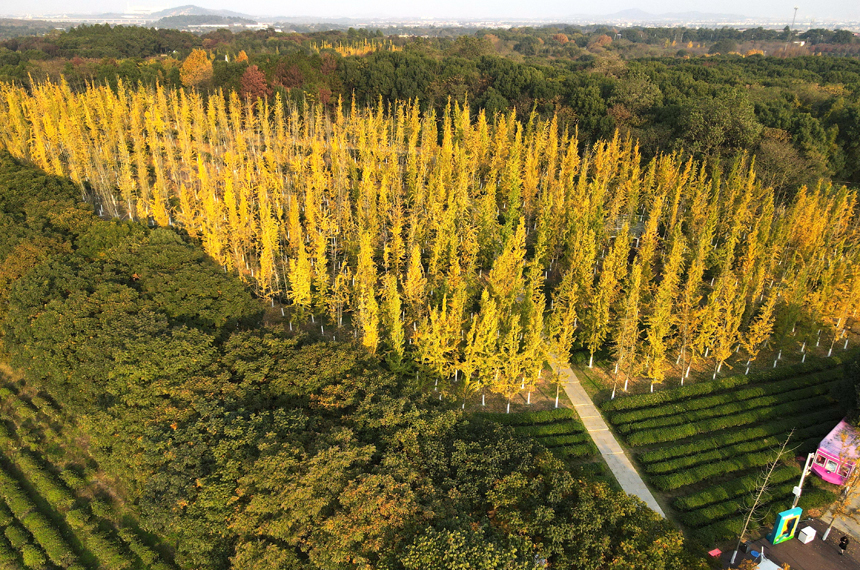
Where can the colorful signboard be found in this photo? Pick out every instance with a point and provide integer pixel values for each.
(785, 526)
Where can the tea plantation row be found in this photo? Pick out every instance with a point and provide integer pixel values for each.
(704, 445)
(52, 514)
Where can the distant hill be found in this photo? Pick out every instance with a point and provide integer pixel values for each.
(191, 10)
(184, 21)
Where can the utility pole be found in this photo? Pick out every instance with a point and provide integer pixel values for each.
(790, 29)
(799, 489)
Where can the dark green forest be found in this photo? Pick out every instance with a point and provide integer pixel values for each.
(252, 449)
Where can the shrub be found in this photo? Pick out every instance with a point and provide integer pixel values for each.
(723, 530)
(49, 539)
(672, 409)
(146, 554)
(710, 514)
(728, 408)
(44, 406)
(714, 386)
(573, 451)
(660, 435)
(708, 470)
(77, 518)
(33, 557)
(753, 445)
(7, 436)
(733, 488)
(558, 440)
(530, 418)
(72, 479)
(17, 536)
(18, 502)
(822, 420)
(109, 553)
(8, 558)
(816, 498)
(54, 492)
(560, 428)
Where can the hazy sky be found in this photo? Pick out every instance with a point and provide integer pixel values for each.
(824, 9)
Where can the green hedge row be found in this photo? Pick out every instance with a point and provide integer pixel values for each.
(560, 428)
(731, 528)
(39, 526)
(734, 488)
(782, 386)
(46, 407)
(33, 557)
(49, 538)
(728, 408)
(16, 499)
(702, 472)
(23, 410)
(751, 446)
(105, 548)
(723, 530)
(559, 440)
(7, 437)
(711, 514)
(8, 558)
(531, 418)
(662, 435)
(146, 554)
(820, 420)
(17, 536)
(57, 495)
(813, 364)
(6, 516)
(574, 451)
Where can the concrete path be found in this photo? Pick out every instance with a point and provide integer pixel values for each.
(849, 523)
(620, 465)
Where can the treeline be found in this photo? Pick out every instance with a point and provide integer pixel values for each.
(471, 250)
(249, 449)
(799, 115)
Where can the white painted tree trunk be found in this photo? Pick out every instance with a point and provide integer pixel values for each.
(591, 361)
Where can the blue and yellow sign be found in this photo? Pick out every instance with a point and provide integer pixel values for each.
(785, 526)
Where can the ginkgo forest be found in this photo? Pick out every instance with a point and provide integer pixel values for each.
(472, 246)
(248, 324)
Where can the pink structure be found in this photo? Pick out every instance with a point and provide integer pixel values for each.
(837, 454)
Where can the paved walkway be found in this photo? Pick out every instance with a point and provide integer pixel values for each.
(847, 523)
(620, 465)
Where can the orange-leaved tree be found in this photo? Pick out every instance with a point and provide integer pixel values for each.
(196, 70)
